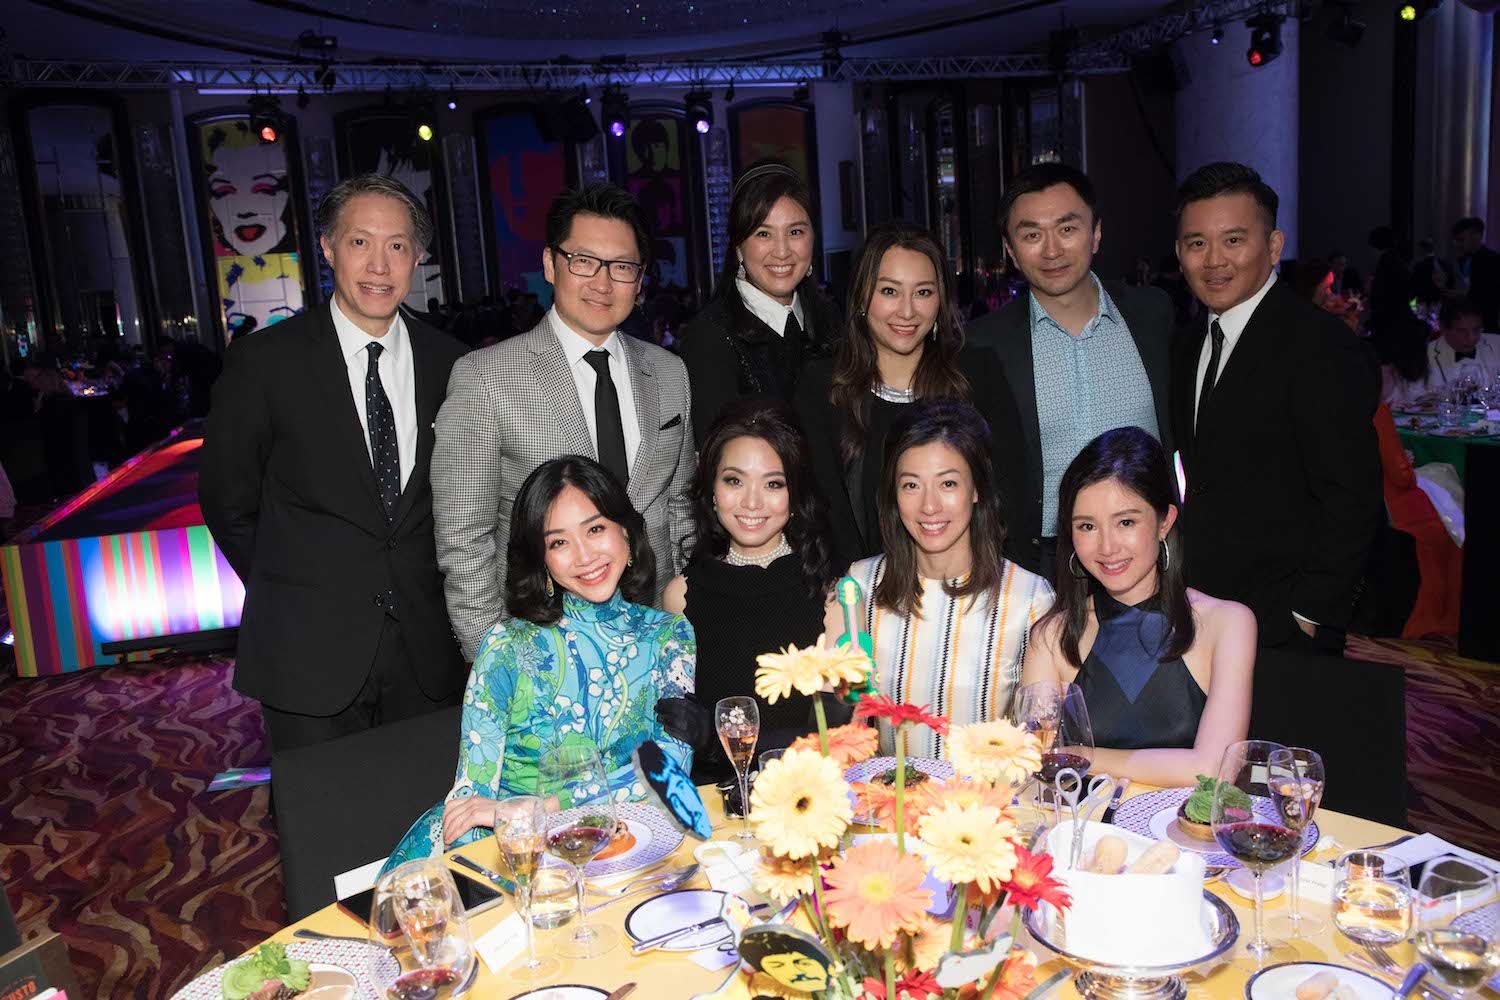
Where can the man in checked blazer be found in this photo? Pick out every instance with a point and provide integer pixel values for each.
(554, 391)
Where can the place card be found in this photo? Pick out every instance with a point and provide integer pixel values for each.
(1317, 882)
(503, 943)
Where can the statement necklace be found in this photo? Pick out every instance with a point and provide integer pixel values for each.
(735, 558)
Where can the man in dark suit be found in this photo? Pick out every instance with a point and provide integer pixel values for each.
(1480, 267)
(1273, 400)
(314, 484)
(1082, 356)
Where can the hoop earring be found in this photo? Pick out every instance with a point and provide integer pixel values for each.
(1075, 570)
(629, 561)
(550, 591)
(1166, 556)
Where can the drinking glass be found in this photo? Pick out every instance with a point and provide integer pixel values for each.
(418, 903)
(1462, 954)
(580, 824)
(1256, 841)
(521, 832)
(1372, 898)
(738, 722)
(1450, 413)
(766, 756)
(1298, 800)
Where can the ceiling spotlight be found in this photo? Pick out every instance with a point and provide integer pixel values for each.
(265, 117)
(729, 92)
(616, 110)
(1265, 39)
(452, 99)
(424, 132)
(302, 99)
(1413, 12)
(700, 110)
(1218, 36)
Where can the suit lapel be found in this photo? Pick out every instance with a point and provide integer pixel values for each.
(549, 365)
(1185, 388)
(1238, 380)
(645, 392)
(331, 372)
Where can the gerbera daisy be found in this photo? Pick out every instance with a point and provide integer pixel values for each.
(817, 668)
(995, 751)
(846, 744)
(875, 799)
(912, 986)
(1017, 976)
(782, 879)
(1031, 882)
(967, 793)
(800, 804)
(929, 943)
(875, 893)
(878, 706)
(969, 844)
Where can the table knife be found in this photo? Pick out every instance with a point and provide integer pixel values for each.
(1114, 800)
(495, 877)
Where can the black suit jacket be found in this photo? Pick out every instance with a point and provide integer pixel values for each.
(1283, 473)
(1484, 285)
(1148, 314)
(288, 492)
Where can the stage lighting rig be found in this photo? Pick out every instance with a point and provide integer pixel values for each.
(312, 41)
(700, 110)
(1265, 39)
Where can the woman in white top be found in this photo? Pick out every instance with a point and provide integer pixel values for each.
(948, 614)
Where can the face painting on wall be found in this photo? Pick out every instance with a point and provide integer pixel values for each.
(248, 191)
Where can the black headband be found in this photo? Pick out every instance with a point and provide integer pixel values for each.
(764, 170)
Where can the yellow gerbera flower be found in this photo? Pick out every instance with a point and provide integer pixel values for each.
(817, 668)
(800, 804)
(967, 843)
(995, 751)
(875, 893)
(783, 879)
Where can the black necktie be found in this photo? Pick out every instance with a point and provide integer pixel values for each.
(793, 330)
(384, 455)
(1209, 377)
(1463, 355)
(608, 427)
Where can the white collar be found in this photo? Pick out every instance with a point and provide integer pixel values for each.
(353, 340)
(767, 309)
(1233, 320)
(575, 345)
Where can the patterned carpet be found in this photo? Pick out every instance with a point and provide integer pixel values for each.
(108, 835)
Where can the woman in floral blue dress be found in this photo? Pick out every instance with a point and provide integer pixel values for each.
(582, 660)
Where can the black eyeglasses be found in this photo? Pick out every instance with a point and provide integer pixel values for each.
(627, 272)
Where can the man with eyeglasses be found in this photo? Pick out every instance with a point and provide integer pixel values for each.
(573, 385)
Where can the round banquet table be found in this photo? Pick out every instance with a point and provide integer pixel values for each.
(672, 976)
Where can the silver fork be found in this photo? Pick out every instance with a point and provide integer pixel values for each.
(1386, 963)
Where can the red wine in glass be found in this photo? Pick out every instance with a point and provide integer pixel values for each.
(1054, 761)
(422, 984)
(578, 843)
(1256, 844)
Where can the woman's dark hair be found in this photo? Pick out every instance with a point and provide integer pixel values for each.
(526, 581)
(760, 187)
(855, 368)
(958, 425)
(1400, 340)
(1136, 460)
(771, 421)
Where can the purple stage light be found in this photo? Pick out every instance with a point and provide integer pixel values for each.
(701, 126)
(617, 128)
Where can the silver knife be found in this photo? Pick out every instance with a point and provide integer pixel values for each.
(495, 877)
(651, 944)
(1114, 800)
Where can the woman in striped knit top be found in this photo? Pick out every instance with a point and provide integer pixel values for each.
(949, 615)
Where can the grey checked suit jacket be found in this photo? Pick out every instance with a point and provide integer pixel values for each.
(512, 407)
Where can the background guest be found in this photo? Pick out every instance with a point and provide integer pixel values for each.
(1165, 671)
(949, 614)
(760, 574)
(1272, 403)
(1081, 356)
(768, 316)
(1462, 347)
(1480, 268)
(1391, 286)
(903, 344)
(583, 655)
(1401, 348)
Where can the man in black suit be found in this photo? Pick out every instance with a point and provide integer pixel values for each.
(1082, 356)
(314, 484)
(1273, 400)
(1480, 267)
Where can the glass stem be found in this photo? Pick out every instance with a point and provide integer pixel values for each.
(582, 933)
(525, 890)
(1296, 908)
(743, 774)
(1259, 947)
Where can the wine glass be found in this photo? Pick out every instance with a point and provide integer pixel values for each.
(521, 832)
(1461, 953)
(581, 823)
(417, 902)
(1298, 800)
(1256, 841)
(738, 722)
(1372, 898)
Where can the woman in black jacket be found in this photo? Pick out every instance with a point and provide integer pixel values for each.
(767, 317)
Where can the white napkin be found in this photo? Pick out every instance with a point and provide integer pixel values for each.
(1136, 920)
(713, 959)
(1427, 846)
(502, 944)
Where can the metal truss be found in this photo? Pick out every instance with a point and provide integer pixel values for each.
(1167, 28)
(365, 77)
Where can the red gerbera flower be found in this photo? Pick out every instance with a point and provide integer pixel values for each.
(1031, 882)
(915, 985)
(878, 706)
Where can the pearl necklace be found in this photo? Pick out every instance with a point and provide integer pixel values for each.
(893, 395)
(735, 558)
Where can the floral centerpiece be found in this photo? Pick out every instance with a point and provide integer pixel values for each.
(867, 902)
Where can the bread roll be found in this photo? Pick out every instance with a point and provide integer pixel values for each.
(1317, 987)
(1109, 856)
(1345, 992)
(1157, 860)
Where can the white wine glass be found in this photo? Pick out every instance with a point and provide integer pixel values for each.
(738, 722)
(1300, 781)
(580, 824)
(1461, 953)
(417, 903)
(521, 833)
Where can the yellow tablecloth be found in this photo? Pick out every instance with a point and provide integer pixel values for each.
(669, 975)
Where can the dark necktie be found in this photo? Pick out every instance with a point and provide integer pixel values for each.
(608, 427)
(793, 330)
(1463, 355)
(384, 455)
(1212, 375)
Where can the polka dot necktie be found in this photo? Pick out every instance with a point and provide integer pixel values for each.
(384, 454)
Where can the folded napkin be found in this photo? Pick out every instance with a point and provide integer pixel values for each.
(1425, 847)
(1141, 921)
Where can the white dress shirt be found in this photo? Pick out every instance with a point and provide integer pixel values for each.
(1232, 322)
(397, 376)
(1443, 369)
(575, 346)
(767, 309)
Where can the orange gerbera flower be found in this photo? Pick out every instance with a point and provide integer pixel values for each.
(875, 893)
(878, 706)
(875, 799)
(1018, 977)
(846, 744)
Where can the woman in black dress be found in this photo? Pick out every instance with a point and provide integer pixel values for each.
(759, 574)
(1165, 671)
(767, 317)
(902, 343)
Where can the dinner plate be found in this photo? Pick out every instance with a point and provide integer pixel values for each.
(1486, 921)
(866, 770)
(683, 908)
(656, 839)
(566, 991)
(1280, 982)
(369, 968)
(1154, 814)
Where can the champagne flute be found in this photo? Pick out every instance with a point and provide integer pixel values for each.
(521, 831)
(1300, 794)
(580, 825)
(1372, 898)
(418, 902)
(1462, 954)
(1257, 842)
(738, 722)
